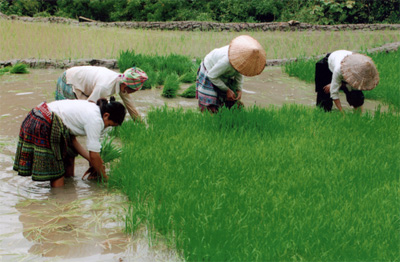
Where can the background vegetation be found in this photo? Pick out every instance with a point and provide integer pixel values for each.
(309, 11)
(265, 184)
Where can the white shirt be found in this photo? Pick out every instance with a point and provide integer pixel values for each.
(334, 61)
(218, 65)
(95, 82)
(82, 118)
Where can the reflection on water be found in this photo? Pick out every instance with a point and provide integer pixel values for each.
(81, 221)
(65, 224)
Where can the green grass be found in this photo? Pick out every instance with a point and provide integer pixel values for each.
(271, 184)
(388, 65)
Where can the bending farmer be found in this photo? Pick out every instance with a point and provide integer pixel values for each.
(220, 76)
(47, 144)
(346, 71)
(93, 82)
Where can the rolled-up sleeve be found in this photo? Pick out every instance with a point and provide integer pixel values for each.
(336, 84)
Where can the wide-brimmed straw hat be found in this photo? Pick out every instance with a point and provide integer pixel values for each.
(134, 78)
(360, 72)
(247, 56)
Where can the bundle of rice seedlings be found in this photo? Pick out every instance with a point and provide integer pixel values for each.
(190, 92)
(109, 152)
(5, 70)
(19, 69)
(171, 86)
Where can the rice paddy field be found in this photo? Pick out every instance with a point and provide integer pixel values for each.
(57, 41)
(273, 183)
(270, 184)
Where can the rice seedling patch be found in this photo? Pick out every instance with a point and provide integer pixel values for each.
(160, 68)
(264, 184)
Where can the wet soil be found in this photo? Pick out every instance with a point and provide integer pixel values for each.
(83, 221)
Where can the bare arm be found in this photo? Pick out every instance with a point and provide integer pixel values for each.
(80, 149)
(97, 163)
(338, 104)
(127, 99)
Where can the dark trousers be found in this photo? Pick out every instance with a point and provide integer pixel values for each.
(323, 77)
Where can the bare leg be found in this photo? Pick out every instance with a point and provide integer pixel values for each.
(358, 109)
(69, 164)
(59, 182)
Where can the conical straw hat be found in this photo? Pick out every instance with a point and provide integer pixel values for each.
(247, 56)
(360, 72)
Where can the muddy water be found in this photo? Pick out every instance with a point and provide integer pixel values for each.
(82, 221)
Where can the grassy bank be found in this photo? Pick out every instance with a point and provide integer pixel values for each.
(56, 41)
(265, 184)
(388, 65)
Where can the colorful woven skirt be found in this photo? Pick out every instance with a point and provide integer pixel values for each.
(205, 90)
(43, 144)
(63, 90)
(209, 96)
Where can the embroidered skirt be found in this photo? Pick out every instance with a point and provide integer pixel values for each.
(43, 143)
(63, 90)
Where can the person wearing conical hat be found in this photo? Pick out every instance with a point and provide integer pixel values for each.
(347, 71)
(95, 82)
(220, 75)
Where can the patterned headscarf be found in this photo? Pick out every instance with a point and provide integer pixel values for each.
(134, 78)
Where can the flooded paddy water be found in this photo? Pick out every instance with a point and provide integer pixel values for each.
(83, 221)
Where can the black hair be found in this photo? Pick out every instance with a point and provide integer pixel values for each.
(116, 110)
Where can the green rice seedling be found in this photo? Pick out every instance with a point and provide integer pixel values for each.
(302, 68)
(171, 86)
(109, 151)
(5, 70)
(388, 89)
(19, 69)
(190, 76)
(126, 59)
(159, 67)
(16, 69)
(190, 92)
(274, 184)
